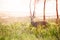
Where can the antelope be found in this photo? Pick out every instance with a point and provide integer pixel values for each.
(36, 23)
(33, 16)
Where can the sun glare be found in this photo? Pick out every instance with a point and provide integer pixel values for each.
(21, 7)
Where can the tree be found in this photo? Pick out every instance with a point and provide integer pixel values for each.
(44, 10)
(57, 10)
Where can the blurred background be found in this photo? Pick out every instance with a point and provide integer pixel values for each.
(20, 8)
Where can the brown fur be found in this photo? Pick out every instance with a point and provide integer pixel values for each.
(35, 24)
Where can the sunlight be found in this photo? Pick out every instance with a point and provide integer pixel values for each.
(21, 7)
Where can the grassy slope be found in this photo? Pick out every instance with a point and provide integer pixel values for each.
(21, 31)
(25, 31)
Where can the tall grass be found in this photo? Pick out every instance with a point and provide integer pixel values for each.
(25, 31)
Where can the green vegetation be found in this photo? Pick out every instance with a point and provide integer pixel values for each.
(25, 31)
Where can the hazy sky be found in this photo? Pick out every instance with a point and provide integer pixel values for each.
(21, 7)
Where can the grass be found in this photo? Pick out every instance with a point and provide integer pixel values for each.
(25, 31)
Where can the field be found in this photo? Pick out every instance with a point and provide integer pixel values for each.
(26, 31)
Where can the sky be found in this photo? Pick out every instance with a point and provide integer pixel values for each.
(20, 8)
